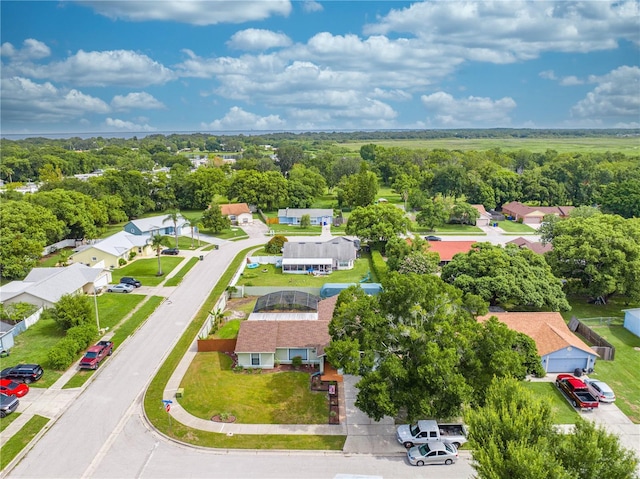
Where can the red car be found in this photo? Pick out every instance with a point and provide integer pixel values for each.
(12, 388)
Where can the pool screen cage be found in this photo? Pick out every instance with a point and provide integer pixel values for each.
(287, 301)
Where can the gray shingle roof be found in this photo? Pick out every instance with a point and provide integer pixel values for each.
(156, 223)
(339, 248)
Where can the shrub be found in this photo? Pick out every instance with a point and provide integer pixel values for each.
(305, 221)
(83, 335)
(275, 244)
(379, 266)
(72, 310)
(122, 262)
(296, 362)
(132, 254)
(238, 369)
(62, 354)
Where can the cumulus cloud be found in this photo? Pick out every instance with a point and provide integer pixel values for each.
(195, 12)
(239, 119)
(614, 97)
(571, 80)
(100, 68)
(310, 6)
(136, 100)
(31, 50)
(126, 125)
(473, 111)
(26, 101)
(256, 39)
(548, 75)
(398, 95)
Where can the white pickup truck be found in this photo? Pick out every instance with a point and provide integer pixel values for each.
(426, 431)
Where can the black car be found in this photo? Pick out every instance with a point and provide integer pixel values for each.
(8, 404)
(27, 373)
(172, 251)
(132, 281)
(433, 238)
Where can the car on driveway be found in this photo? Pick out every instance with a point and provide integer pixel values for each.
(433, 238)
(120, 288)
(132, 281)
(27, 373)
(171, 251)
(601, 391)
(13, 388)
(8, 404)
(432, 453)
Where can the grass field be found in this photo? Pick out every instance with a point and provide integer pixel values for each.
(211, 387)
(18, 441)
(561, 411)
(628, 146)
(515, 227)
(5, 421)
(144, 270)
(269, 275)
(113, 307)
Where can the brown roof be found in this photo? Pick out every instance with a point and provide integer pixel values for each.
(548, 330)
(481, 210)
(235, 209)
(536, 247)
(447, 249)
(519, 209)
(326, 307)
(266, 336)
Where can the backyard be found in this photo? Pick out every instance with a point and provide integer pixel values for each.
(212, 388)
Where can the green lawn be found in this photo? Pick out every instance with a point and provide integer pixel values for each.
(52, 260)
(232, 234)
(144, 270)
(515, 227)
(5, 421)
(229, 330)
(561, 411)
(447, 229)
(177, 278)
(18, 441)
(581, 308)
(113, 307)
(269, 275)
(211, 387)
(184, 242)
(295, 230)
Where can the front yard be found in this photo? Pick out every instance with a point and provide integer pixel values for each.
(561, 410)
(145, 270)
(212, 388)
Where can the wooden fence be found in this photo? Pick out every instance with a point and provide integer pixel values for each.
(604, 348)
(219, 345)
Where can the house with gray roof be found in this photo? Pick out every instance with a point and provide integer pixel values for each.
(108, 252)
(155, 225)
(292, 216)
(319, 257)
(43, 287)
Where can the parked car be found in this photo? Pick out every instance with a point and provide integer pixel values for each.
(27, 373)
(8, 404)
(95, 354)
(132, 281)
(433, 238)
(172, 251)
(427, 431)
(432, 453)
(576, 392)
(601, 391)
(120, 288)
(13, 388)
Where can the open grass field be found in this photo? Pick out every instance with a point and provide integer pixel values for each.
(144, 270)
(628, 146)
(561, 411)
(211, 387)
(269, 275)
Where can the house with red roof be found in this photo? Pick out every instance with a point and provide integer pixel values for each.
(448, 249)
(561, 350)
(533, 215)
(238, 213)
(534, 246)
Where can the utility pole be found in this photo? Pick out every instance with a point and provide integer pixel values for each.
(95, 302)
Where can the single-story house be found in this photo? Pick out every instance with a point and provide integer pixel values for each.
(155, 225)
(292, 216)
(561, 350)
(533, 215)
(238, 213)
(319, 257)
(534, 246)
(109, 251)
(632, 320)
(485, 218)
(448, 249)
(45, 286)
(262, 343)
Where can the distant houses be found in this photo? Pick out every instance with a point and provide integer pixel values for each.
(533, 215)
(292, 216)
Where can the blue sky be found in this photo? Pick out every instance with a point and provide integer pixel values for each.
(144, 66)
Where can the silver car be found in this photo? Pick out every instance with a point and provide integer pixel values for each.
(432, 453)
(120, 288)
(601, 391)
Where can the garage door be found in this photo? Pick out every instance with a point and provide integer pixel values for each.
(566, 365)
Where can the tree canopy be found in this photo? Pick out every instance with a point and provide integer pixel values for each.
(377, 223)
(511, 277)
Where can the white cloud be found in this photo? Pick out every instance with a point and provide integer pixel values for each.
(256, 39)
(239, 119)
(467, 112)
(571, 80)
(548, 75)
(398, 95)
(615, 97)
(310, 6)
(31, 50)
(633, 124)
(100, 68)
(7, 50)
(126, 125)
(139, 100)
(195, 12)
(26, 101)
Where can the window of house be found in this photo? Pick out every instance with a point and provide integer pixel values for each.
(298, 352)
(255, 359)
(93, 258)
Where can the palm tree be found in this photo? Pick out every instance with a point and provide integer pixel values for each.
(157, 242)
(173, 216)
(193, 224)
